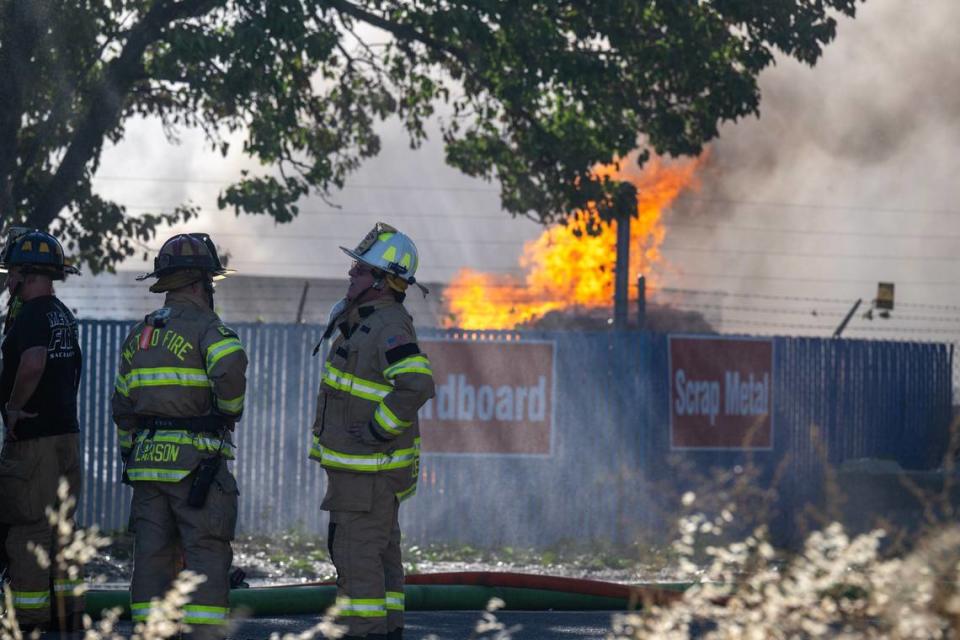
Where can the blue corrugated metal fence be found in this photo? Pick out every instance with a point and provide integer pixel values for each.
(611, 435)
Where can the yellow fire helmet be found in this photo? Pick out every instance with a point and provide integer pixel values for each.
(390, 251)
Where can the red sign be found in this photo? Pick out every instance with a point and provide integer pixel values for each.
(721, 393)
(492, 397)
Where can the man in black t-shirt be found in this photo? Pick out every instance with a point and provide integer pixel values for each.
(38, 402)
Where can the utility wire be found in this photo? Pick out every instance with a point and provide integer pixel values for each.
(734, 276)
(796, 312)
(764, 296)
(719, 201)
(817, 232)
(825, 207)
(357, 186)
(350, 212)
(789, 254)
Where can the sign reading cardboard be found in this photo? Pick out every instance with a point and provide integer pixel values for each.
(492, 397)
(721, 393)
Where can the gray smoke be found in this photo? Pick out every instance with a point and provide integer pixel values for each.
(860, 146)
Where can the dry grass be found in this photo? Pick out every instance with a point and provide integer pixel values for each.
(837, 586)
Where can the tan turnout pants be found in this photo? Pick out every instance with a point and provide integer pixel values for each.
(164, 525)
(30, 471)
(365, 549)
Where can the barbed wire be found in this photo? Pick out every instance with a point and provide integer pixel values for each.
(792, 254)
(817, 232)
(764, 296)
(872, 209)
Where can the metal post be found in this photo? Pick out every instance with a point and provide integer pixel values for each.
(846, 321)
(303, 301)
(621, 283)
(642, 302)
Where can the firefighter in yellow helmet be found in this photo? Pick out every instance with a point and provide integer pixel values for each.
(38, 400)
(179, 392)
(366, 434)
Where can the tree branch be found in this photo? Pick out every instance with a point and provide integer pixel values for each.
(406, 33)
(19, 41)
(106, 104)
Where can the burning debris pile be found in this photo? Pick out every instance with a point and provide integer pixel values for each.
(658, 318)
(569, 273)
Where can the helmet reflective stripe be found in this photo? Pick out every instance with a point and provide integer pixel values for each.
(388, 250)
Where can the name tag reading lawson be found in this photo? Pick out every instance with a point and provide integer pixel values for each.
(157, 452)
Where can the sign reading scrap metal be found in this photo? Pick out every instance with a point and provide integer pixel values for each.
(721, 393)
(492, 397)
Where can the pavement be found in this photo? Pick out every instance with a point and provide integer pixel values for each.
(444, 625)
(460, 625)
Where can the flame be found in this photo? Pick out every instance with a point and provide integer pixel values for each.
(564, 270)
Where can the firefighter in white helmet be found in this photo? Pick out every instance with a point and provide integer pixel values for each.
(366, 434)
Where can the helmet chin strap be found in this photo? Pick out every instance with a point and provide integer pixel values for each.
(208, 288)
(13, 306)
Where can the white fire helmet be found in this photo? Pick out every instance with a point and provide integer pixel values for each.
(390, 251)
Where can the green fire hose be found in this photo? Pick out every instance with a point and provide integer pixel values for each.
(437, 592)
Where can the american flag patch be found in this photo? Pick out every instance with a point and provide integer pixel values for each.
(396, 341)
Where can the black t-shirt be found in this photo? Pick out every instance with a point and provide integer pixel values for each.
(44, 322)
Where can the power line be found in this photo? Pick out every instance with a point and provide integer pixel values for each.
(818, 314)
(351, 239)
(825, 207)
(732, 276)
(357, 186)
(763, 296)
(350, 212)
(168, 208)
(766, 296)
(796, 312)
(762, 323)
(722, 201)
(817, 232)
(789, 254)
(765, 324)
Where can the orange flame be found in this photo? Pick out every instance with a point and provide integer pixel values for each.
(564, 270)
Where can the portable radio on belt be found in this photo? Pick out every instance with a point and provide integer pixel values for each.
(204, 476)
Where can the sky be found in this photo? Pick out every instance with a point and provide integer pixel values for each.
(847, 178)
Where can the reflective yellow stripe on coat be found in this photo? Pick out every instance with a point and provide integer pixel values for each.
(161, 377)
(414, 364)
(364, 462)
(355, 386)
